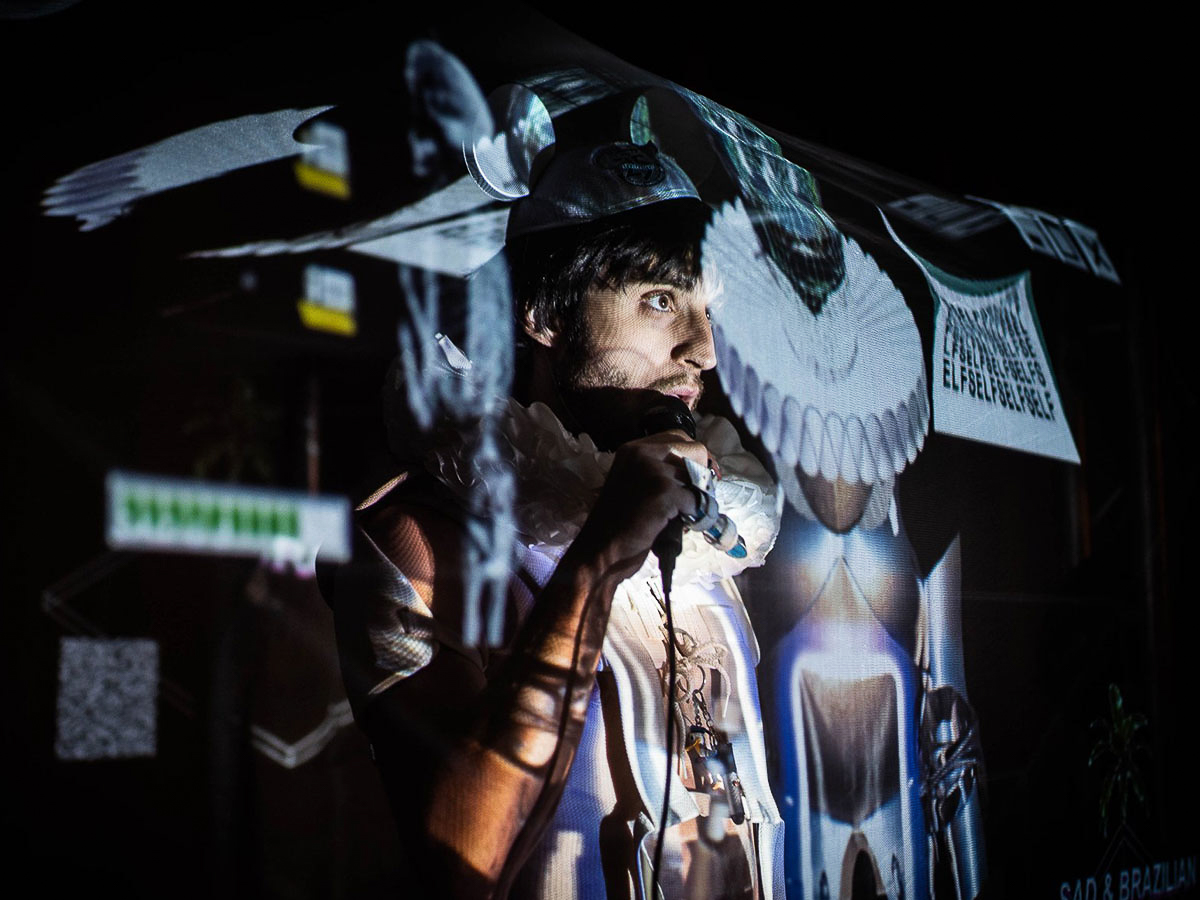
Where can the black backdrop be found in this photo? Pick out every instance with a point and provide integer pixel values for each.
(1078, 118)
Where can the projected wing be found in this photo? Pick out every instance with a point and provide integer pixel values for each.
(101, 191)
(448, 231)
(842, 392)
(456, 239)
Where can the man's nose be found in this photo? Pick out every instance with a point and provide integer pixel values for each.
(695, 344)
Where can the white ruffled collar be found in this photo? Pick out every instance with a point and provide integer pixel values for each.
(841, 394)
(558, 477)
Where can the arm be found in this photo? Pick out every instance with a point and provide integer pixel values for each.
(474, 768)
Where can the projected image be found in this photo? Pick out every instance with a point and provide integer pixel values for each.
(876, 749)
(542, 597)
(476, 466)
(824, 362)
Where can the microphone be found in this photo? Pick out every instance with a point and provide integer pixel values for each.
(717, 528)
(665, 415)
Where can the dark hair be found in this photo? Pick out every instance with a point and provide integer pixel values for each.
(552, 270)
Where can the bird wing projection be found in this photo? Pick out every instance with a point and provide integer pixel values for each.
(100, 192)
(449, 214)
(449, 231)
(840, 392)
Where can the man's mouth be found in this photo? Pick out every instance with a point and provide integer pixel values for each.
(687, 391)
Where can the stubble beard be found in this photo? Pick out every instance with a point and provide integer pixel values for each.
(581, 369)
(600, 399)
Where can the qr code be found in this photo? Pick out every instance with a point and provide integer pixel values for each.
(106, 698)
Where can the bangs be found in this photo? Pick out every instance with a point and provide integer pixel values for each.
(650, 261)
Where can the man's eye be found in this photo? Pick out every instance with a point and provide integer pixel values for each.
(659, 300)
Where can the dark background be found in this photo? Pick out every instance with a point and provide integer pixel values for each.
(1073, 578)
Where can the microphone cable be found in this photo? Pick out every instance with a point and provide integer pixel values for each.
(672, 413)
(666, 566)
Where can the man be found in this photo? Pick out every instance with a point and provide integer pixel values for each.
(539, 770)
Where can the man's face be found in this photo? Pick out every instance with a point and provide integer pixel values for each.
(644, 335)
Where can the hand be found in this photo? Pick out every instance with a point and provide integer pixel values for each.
(647, 487)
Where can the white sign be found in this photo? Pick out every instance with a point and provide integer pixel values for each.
(151, 513)
(991, 375)
(328, 301)
(325, 165)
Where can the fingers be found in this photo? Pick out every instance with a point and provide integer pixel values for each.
(675, 443)
(646, 488)
(652, 469)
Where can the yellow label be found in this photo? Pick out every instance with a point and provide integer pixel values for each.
(322, 318)
(322, 181)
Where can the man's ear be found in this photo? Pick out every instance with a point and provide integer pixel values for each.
(543, 334)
